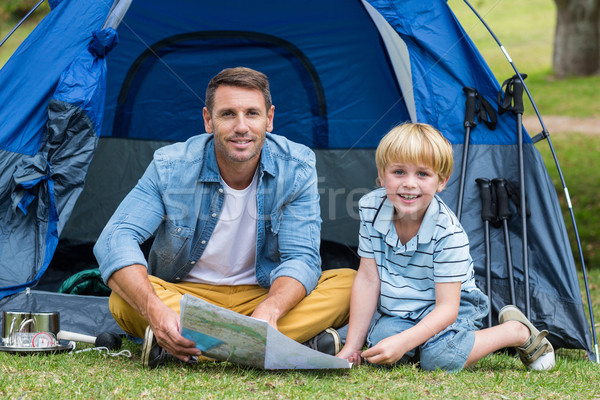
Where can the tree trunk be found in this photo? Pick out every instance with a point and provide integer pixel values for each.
(577, 38)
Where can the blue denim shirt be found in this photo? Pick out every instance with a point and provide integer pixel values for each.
(179, 199)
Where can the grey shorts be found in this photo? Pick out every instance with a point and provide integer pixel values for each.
(450, 348)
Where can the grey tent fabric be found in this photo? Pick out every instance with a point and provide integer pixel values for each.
(58, 171)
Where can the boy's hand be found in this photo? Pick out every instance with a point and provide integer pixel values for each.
(387, 351)
(352, 355)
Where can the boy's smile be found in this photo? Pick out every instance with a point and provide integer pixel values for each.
(410, 188)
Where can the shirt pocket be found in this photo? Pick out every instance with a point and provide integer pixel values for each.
(170, 244)
(272, 239)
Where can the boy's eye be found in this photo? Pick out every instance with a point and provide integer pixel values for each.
(399, 172)
(423, 173)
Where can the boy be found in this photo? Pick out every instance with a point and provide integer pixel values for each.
(416, 270)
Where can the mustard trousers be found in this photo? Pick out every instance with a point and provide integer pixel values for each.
(328, 305)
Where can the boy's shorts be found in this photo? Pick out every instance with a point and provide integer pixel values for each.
(450, 348)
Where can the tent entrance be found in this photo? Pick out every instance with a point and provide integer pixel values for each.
(173, 72)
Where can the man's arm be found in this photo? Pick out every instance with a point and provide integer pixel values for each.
(133, 285)
(299, 240)
(284, 294)
(299, 232)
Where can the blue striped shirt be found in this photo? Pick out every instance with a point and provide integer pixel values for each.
(438, 253)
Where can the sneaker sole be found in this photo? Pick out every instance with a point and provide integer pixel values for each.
(147, 346)
(337, 340)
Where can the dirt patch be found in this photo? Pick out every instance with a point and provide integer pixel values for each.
(559, 125)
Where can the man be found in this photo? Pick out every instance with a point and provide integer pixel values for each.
(235, 215)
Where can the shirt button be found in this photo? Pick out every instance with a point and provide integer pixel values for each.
(177, 278)
(220, 190)
(214, 215)
(203, 242)
(192, 262)
(178, 229)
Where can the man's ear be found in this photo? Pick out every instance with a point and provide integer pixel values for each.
(270, 115)
(207, 120)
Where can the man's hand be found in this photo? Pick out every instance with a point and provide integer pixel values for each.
(133, 285)
(284, 294)
(165, 325)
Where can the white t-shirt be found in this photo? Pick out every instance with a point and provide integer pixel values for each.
(230, 255)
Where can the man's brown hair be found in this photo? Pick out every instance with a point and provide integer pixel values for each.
(239, 77)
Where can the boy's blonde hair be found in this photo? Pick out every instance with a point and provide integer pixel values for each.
(415, 143)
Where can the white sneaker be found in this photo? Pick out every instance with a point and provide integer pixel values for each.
(536, 353)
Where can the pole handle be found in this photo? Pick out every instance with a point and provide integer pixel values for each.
(502, 198)
(485, 192)
(470, 107)
(518, 107)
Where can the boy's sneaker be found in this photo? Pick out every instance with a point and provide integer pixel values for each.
(328, 342)
(536, 353)
(153, 355)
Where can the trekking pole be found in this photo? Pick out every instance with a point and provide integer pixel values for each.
(487, 215)
(21, 22)
(504, 214)
(544, 134)
(469, 123)
(514, 89)
(475, 105)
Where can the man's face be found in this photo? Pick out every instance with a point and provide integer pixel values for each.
(239, 120)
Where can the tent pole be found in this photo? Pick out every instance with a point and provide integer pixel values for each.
(546, 135)
(21, 22)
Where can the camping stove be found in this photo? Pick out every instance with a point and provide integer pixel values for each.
(30, 332)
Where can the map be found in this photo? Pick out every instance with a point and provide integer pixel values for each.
(229, 336)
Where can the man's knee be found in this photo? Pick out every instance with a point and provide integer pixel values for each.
(341, 278)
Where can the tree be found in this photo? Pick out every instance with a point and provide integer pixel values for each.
(577, 38)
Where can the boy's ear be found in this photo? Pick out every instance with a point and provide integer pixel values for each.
(442, 184)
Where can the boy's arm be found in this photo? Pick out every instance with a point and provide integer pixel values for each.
(445, 312)
(363, 301)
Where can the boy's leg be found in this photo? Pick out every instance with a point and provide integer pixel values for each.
(508, 334)
(386, 326)
(449, 350)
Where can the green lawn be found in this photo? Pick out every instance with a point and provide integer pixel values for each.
(93, 376)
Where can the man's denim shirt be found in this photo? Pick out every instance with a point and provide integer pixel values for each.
(179, 199)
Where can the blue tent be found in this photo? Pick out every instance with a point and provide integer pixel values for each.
(342, 73)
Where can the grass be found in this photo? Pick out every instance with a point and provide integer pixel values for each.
(525, 29)
(90, 375)
(580, 170)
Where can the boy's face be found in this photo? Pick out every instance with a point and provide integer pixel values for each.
(411, 188)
